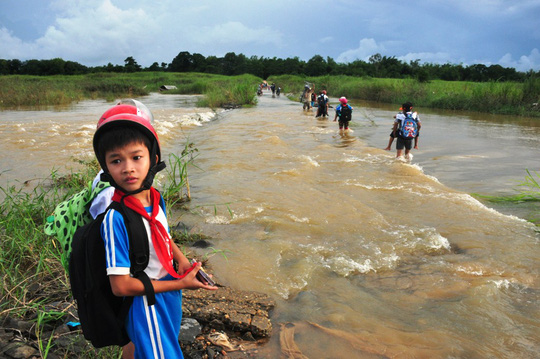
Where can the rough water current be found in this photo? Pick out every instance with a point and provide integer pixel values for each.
(366, 256)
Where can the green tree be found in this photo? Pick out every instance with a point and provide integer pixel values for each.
(316, 66)
(130, 65)
(182, 62)
(154, 67)
(198, 62)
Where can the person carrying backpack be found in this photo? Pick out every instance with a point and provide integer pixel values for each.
(84, 206)
(344, 113)
(406, 127)
(128, 151)
(391, 138)
(322, 104)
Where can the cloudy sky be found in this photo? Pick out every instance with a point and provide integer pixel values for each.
(96, 32)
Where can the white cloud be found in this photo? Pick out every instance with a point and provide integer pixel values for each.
(95, 32)
(366, 48)
(525, 63)
(11, 47)
(234, 32)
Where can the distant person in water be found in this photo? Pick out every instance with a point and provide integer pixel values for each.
(344, 113)
(322, 104)
(306, 98)
(406, 127)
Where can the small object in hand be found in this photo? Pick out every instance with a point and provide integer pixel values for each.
(204, 277)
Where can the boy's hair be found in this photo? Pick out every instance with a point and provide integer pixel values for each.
(407, 106)
(120, 136)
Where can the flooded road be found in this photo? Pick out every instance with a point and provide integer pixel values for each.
(366, 256)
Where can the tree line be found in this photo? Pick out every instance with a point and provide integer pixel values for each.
(232, 64)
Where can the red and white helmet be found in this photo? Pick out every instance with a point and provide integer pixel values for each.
(126, 119)
(343, 100)
(131, 106)
(129, 115)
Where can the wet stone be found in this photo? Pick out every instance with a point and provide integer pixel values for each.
(239, 311)
(189, 330)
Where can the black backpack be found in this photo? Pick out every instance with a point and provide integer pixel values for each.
(101, 313)
(321, 101)
(345, 113)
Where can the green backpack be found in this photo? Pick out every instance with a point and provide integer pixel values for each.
(70, 215)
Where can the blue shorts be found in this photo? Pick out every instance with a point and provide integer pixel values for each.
(154, 330)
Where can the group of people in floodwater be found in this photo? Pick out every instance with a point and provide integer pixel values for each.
(406, 125)
(405, 129)
(264, 86)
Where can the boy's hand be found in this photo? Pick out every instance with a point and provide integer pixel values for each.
(183, 266)
(191, 281)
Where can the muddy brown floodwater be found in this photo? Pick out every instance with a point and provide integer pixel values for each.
(366, 256)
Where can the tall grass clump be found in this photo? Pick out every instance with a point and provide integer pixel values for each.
(528, 191)
(232, 91)
(177, 183)
(29, 260)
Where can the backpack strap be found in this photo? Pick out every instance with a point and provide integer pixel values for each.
(139, 251)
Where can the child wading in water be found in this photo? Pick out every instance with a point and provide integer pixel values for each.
(344, 112)
(391, 138)
(406, 128)
(128, 150)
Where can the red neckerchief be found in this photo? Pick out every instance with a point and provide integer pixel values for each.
(161, 239)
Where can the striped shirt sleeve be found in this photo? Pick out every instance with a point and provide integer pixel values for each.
(115, 237)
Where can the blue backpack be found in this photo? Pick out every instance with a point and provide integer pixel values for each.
(409, 127)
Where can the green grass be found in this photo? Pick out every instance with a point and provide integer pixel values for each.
(529, 191)
(40, 91)
(510, 98)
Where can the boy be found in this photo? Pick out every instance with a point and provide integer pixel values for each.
(391, 139)
(344, 112)
(398, 124)
(127, 148)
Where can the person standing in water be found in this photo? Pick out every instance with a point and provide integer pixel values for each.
(344, 113)
(406, 127)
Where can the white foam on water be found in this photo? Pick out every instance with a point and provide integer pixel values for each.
(298, 220)
(218, 220)
(369, 158)
(418, 240)
(310, 160)
(346, 266)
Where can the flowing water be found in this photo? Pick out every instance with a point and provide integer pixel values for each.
(366, 256)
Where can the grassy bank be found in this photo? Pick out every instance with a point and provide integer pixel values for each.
(18, 91)
(509, 98)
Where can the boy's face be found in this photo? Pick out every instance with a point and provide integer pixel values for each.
(129, 165)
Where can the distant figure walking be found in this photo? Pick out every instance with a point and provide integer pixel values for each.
(322, 104)
(344, 113)
(406, 128)
(306, 98)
